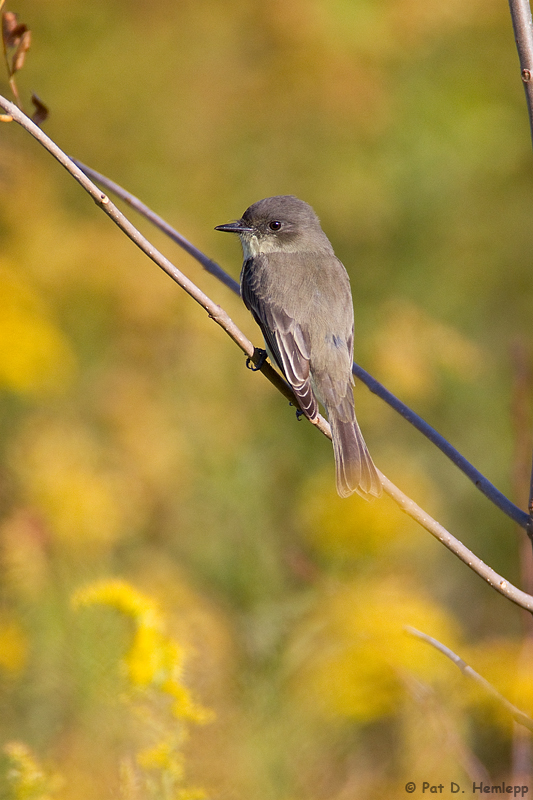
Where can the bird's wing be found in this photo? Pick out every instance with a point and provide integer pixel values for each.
(287, 340)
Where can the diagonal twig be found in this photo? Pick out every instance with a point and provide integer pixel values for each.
(207, 263)
(523, 33)
(518, 715)
(221, 318)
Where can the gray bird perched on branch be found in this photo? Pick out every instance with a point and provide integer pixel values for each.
(299, 293)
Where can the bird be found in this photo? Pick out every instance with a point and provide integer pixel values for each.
(299, 294)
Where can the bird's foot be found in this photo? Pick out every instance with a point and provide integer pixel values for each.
(299, 412)
(256, 361)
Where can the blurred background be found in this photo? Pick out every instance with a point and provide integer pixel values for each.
(134, 443)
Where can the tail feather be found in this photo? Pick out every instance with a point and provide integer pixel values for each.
(354, 468)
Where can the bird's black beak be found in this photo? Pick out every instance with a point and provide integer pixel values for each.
(235, 227)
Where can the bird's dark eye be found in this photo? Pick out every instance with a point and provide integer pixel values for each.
(275, 225)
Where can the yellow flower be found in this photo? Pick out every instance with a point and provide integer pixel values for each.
(153, 666)
(163, 756)
(353, 651)
(154, 660)
(13, 646)
(506, 664)
(412, 349)
(26, 778)
(117, 594)
(86, 503)
(35, 357)
(144, 660)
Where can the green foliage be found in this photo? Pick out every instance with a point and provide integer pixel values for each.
(134, 443)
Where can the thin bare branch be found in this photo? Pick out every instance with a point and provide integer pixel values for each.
(437, 712)
(478, 479)
(103, 201)
(207, 263)
(523, 33)
(221, 318)
(495, 580)
(517, 715)
(215, 311)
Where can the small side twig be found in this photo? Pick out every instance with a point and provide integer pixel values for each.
(518, 715)
(16, 41)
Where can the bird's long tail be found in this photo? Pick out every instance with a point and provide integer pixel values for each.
(354, 468)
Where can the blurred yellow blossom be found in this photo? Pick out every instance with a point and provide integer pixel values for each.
(87, 502)
(154, 660)
(506, 664)
(359, 528)
(353, 649)
(13, 646)
(146, 426)
(27, 780)
(411, 348)
(154, 668)
(162, 756)
(35, 357)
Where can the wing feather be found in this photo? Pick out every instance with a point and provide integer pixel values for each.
(288, 341)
